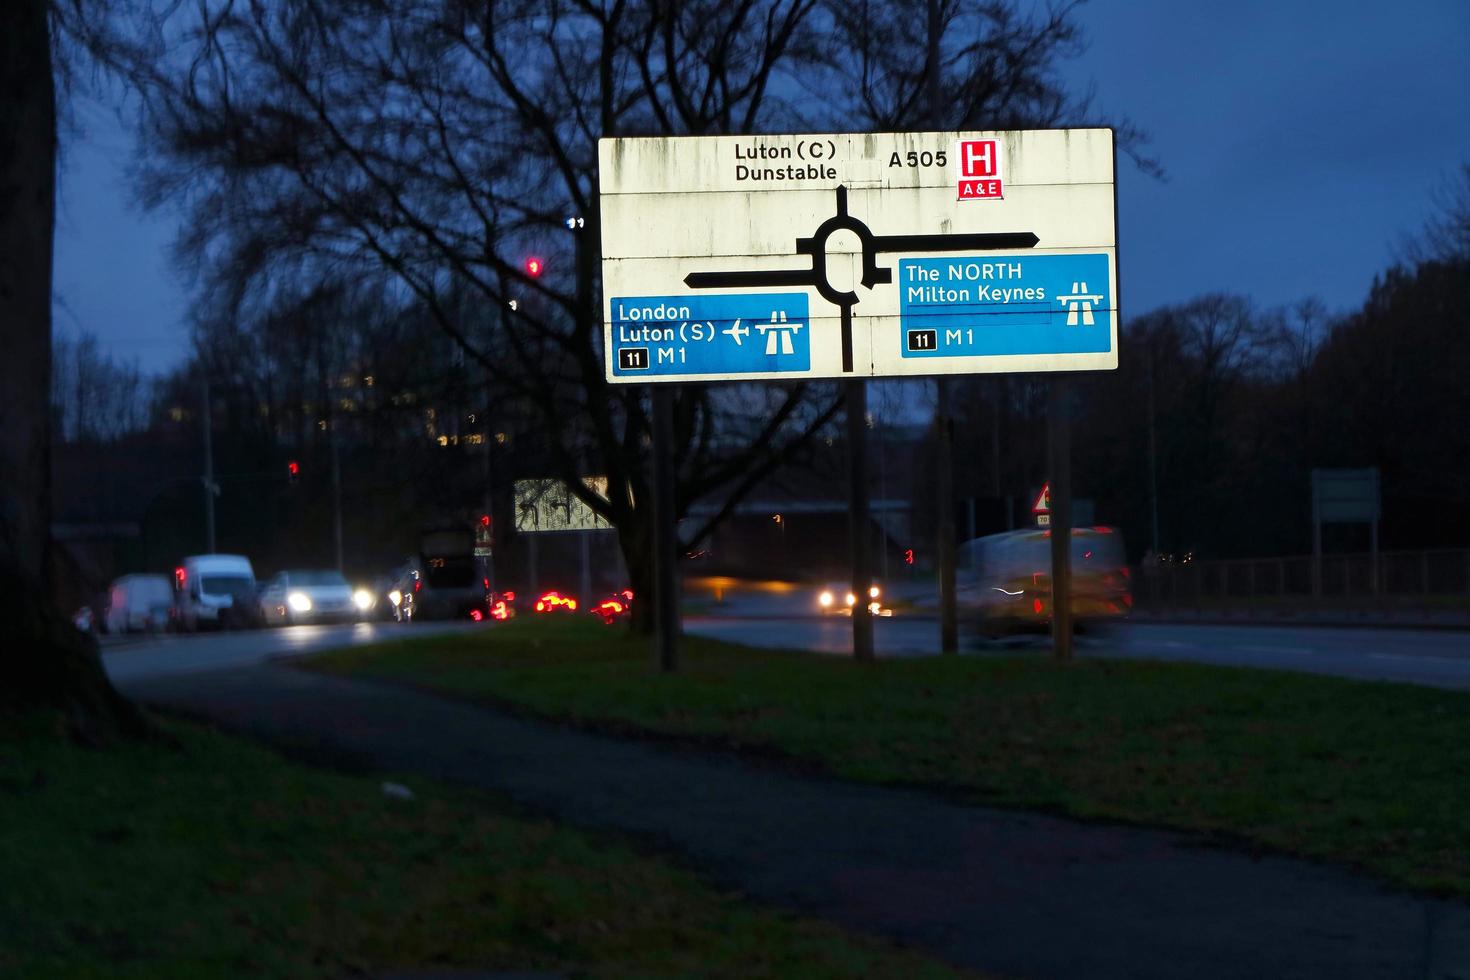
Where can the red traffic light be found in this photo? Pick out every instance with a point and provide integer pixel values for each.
(908, 556)
(484, 520)
(534, 267)
(293, 468)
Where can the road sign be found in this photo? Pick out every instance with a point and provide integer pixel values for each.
(547, 505)
(1042, 504)
(844, 256)
(1345, 496)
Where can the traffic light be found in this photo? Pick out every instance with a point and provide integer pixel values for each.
(908, 556)
(534, 266)
(293, 471)
(484, 520)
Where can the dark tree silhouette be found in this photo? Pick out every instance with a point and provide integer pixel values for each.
(45, 661)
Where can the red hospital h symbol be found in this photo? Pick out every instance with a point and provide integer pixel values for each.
(979, 158)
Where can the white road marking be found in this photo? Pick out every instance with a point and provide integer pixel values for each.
(1261, 649)
(1419, 656)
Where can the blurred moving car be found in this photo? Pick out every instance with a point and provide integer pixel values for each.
(1003, 581)
(502, 606)
(377, 598)
(839, 600)
(311, 596)
(614, 607)
(443, 580)
(214, 590)
(555, 602)
(137, 603)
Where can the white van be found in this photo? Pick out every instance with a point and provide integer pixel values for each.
(138, 602)
(207, 587)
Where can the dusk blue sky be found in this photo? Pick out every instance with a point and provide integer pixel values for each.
(1303, 141)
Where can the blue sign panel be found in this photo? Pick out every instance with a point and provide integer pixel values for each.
(964, 306)
(750, 333)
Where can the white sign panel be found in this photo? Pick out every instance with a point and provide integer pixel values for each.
(876, 254)
(547, 505)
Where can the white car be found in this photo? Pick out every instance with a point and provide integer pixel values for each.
(312, 596)
(839, 600)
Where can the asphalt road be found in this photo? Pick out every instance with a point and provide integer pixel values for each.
(1428, 657)
(133, 659)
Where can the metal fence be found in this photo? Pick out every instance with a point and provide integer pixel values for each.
(1428, 579)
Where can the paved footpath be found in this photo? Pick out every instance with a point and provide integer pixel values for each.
(1012, 893)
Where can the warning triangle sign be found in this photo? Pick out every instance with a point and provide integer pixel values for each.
(1043, 500)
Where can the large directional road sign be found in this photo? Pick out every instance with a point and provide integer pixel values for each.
(860, 255)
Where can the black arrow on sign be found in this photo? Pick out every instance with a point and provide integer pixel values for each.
(815, 247)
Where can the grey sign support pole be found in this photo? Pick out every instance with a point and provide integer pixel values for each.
(949, 641)
(948, 619)
(1059, 424)
(1316, 538)
(535, 571)
(666, 579)
(336, 493)
(210, 488)
(586, 582)
(860, 533)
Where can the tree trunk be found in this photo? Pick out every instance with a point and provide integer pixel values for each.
(45, 662)
(637, 544)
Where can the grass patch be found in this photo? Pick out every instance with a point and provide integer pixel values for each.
(1363, 773)
(214, 858)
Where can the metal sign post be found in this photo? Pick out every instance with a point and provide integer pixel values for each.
(665, 556)
(859, 527)
(1059, 426)
(1345, 497)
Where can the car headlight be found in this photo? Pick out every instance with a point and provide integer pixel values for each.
(824, 600)
(299, 602)
(873, 592)
(851, 599)
(362, 599)
(395, 597)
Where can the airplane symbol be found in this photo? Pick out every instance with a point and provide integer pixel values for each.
(737, 331)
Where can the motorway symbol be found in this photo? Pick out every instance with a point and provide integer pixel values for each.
(778, 333)
(815, 248)
(1079, 298)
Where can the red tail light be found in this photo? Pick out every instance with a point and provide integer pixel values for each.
(1036, 606)
(476, 615)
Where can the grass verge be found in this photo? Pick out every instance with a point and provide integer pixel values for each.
(1363, 773)
(213, 858)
